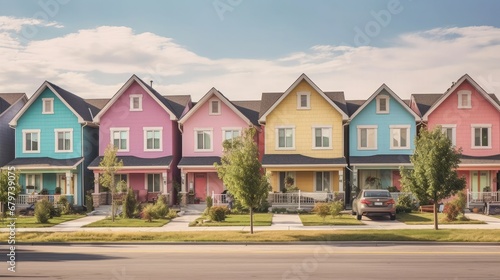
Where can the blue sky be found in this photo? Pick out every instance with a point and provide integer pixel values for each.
(245, 47)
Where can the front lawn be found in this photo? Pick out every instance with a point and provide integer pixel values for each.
(121, 222)
(417, 218)
(259, 219)
(30, 221)
(342, 220)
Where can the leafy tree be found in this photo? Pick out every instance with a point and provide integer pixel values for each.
(9, 183)
(129, 204)
(110, 166)
(240, 170)
(434, 175)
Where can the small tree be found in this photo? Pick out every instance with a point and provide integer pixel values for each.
(240, 170)
(434, 173)
(129, 204)
(110, 166)
(43, 209)
(9, 187)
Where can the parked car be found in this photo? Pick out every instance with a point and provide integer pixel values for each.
(374, 203)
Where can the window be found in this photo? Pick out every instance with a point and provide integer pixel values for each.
(34, 183)
(464, 99)
(214, 107)
(382, 104)
(230, 134)
(322, 137)
(303, 100)
(203, 140)
(450, 131)
(64, 140)
(48, 105)
(367, 137)
(323, 181)
(154, 182)
(31, 141)
(481, 136)
(153, 138)
(287, 180)
(400, 136)
(119, 136)
(121, 180)
(285, 139)
(135, 102)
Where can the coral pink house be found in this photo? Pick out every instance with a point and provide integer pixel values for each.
(142, 124)
(211, 121)
(471, 119)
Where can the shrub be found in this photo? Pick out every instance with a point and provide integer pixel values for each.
(404, 203)
(263, 207)
(172, 214)
(44, 192)
(279, 210)
(218, 213)
(89, 202)
(461, 202)
(43, 209)
(451, 210)
(129, 204)
(65, 205)
(336, 207)
(55, 211)
(321, 209)
(209, 201)
(148, 212)
(57, 190)
(160, 208)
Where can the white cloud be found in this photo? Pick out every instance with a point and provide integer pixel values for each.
(96, 62)
(16, 24)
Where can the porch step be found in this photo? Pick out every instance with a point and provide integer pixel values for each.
(194, 209)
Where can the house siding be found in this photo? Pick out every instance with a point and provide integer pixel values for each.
(7, 134)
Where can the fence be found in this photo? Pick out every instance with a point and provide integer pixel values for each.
(27, 199)
(480, 199)
(302, 199)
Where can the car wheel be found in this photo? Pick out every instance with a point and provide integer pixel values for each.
(393, 217)
(358, 216)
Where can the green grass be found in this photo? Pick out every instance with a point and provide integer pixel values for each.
(121, 222)
(416, 218)
(343, 220)
(442, 235)
(30, 221)
(260, 219)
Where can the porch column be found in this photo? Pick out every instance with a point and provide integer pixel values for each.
(68, 182)
(183, 191)
(341, 180)
(96, 182)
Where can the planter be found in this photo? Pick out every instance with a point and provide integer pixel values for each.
(475, 210)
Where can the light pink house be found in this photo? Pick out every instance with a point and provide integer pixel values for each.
(471, 119)
(211, 121)
(142, 124)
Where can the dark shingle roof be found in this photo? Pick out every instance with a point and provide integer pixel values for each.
(353, 105)
(44, 162)
(338, 98)
(179, 103)
(296, 159)
(131, 161)
(199, 161)
(172, 106)
(8, 99)
(99, 103)
(77, 103)
(486, 160)
(380, 159)
(267, 101)
(425, 101)
(249, 108)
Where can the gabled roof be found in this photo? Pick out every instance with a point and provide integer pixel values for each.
(385, 88)
(9, 99)
(353, 105)
(179, 103)
(84, 111)
(249, 108)
(99, 103)
(269, 106)
(214, 92)
(424, 101)
(462, 79)
(162, 101)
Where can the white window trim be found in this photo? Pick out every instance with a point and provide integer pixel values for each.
(115, 129)
(330, 146)
(132, 96)
(391, 127)
(453, 132)
(387, 99)
(224, 129)
(359, 127)
(196, 130)
(70, 130)
(468, 93)
(44, 109)
(34, 174)
(276, 131)
(146, 181)
(308, 95)
(210, 107)
(472, 127)
(145, 137)
(330, 189)
(26, 131)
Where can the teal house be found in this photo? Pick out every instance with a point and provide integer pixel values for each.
(382, 130)
(56, 139)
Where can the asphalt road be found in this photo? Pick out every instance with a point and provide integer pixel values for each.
(298, 262)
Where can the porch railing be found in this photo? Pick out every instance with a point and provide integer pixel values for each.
(219, 199)
(303, 199)
(27, 199)
(481, 198)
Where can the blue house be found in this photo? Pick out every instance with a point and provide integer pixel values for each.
(381, 139)
(10, 104)
(56, 139)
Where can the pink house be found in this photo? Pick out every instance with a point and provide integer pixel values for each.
(211, 121)
(471, 119)
(142, 124)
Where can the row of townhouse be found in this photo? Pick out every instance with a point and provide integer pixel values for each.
(317, 138)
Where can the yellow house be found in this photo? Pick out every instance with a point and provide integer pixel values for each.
(304, 137)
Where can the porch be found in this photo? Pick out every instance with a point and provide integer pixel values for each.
(24, 200)
(480, 200)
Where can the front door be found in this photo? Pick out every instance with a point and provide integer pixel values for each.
(200, 186)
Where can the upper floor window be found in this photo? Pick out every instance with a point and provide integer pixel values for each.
(481, 136)
(367, 137)
(214, 107)
(322, 137)
(135, 102)
(382, 104)
(64, 140)
(153, 138)
(450, 130)
(285, 138)
(31, 141)
(203, 140)
(303, 100)
(400, 136)
(120, 138)
(230, 134)
(48, 105)
(464, 99)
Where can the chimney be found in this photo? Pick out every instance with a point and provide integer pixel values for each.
(151, 83)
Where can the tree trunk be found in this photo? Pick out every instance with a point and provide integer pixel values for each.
(251, 220)
(112, 206)
(435, 215)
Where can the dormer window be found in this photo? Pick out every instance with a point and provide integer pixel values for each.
(464, 99)
(48, 105)
(135, 102)
(303, 100)
(383, 104)
(214, 107)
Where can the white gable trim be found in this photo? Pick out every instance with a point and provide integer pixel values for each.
(14, 103)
